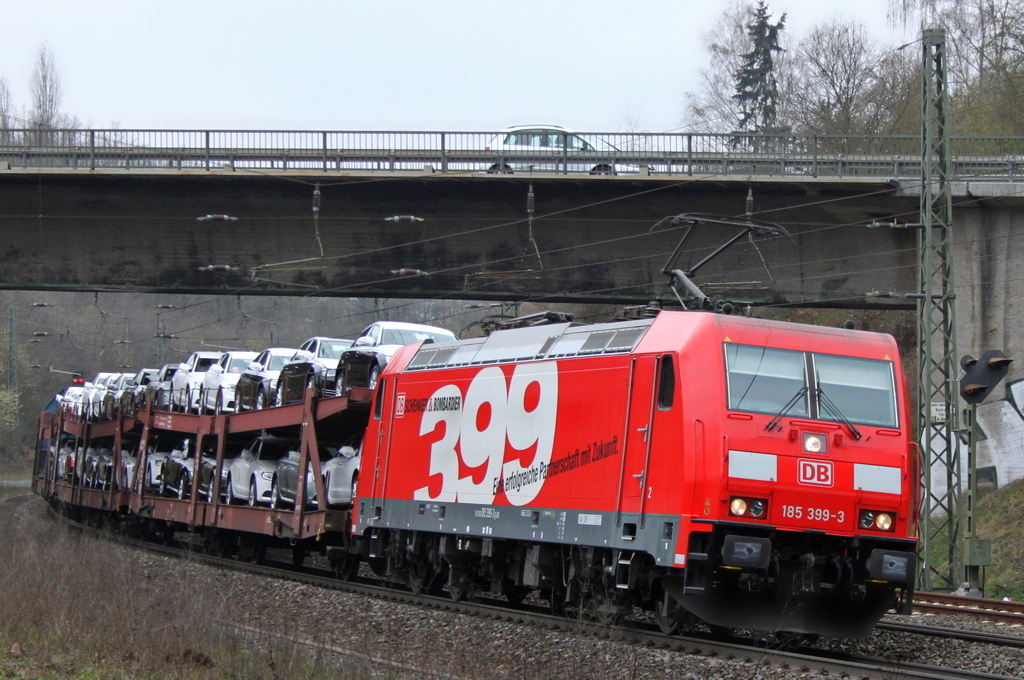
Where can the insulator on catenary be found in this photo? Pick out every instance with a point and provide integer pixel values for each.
(316, 200)
(529, 200)
(750, 202)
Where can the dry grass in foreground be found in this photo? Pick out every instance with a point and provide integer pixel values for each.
(74, 607)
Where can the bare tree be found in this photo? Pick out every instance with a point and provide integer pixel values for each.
(835, 71)
(985, 38)
(45, 89)
(6, 112)
(848, 86)
(895, 93)
(6, 105)
(712, 108)
(985, 60)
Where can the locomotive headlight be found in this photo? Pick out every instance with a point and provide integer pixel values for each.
(815, 443)
(875, 519)
(867, 519)
(756, 508)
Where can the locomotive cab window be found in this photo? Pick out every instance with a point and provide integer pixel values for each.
(811, 385)
(765, 380)
(861, 389)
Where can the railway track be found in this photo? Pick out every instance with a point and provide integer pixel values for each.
(757, 653)
(992, 610)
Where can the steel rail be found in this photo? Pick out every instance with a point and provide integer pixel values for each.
(1001, 639)
(992, 610)
(804, 660)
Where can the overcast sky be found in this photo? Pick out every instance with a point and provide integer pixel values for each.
(381, 64)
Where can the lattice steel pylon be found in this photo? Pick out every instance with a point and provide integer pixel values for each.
(938, 370)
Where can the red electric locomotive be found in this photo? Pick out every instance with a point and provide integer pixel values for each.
(740, 472)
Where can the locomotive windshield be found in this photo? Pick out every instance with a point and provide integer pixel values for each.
(766, 380)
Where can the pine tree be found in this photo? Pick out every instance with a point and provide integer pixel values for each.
(757, 90)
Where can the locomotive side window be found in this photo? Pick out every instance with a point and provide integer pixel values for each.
(666, 383)
(862, 389)
(378, 399)
(765, 380)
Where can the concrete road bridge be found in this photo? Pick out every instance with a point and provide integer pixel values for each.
(445, 214)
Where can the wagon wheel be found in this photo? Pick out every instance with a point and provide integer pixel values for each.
(346, 566)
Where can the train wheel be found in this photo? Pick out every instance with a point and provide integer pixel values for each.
(556, 598)
(665, 610)
(252, 548)
(459, 585)
(601, 606)
(788, 641)
(165, 534)
(513, 593)
(419, 576)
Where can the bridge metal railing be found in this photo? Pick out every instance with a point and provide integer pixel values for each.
(542, 150)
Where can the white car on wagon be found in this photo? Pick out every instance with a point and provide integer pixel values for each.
(187, 381)
(219, 381)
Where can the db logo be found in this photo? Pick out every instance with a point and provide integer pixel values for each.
(816, 472)
(400, 406)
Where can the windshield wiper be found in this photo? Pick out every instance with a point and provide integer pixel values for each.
(774, 422)
(829, 406)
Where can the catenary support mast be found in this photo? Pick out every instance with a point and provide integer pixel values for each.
(941, 559)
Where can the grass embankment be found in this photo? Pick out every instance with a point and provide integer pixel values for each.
(14, 479)
(1000, 518)
(78, 608)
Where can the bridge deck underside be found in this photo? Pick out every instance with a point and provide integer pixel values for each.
(591, 238)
